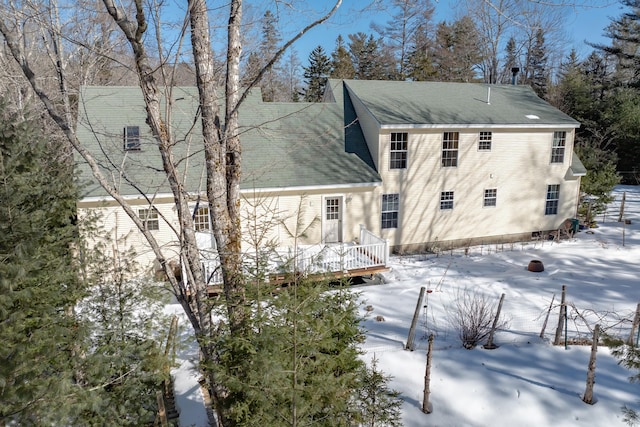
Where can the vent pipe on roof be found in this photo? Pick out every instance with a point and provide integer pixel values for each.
(488, 95)
(514, 73)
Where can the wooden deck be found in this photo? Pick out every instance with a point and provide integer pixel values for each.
(334, 260)
(278, 280)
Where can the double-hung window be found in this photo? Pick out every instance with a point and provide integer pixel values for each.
(398, 150)
(390, 209)
(553, 197)
(450, 149)
(201, 219)
(446, 200)
(484, 142)
(490, 197)
(132, 138)
(557, 149)
(149, 217)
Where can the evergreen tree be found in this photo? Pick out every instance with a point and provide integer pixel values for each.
(251, 69)
(304, 359)
(419, 65)
(411, 16)
(456, 54)
(577, 95)
(624, 33)
(369, 60)
(629, 357)
(537, 74)
(341, 63)
(74, 351)
(316, 75)
(125, 363)
(272, 82)
(380, 405)
(38, 281)
(510, 61)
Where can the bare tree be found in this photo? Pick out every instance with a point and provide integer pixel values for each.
(134, 20)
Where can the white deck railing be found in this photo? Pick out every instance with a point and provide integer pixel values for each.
(370, 252)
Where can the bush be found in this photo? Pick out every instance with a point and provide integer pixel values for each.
(472, 316)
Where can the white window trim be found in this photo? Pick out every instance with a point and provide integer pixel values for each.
(405, 151)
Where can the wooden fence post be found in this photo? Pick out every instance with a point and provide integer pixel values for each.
(561, 318)
(591, 373)
(412, 331)
(621, 215)
(490, 345)
(634, 327)
(546, 319)
(427, 408)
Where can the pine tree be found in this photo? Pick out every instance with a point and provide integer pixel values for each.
(316, 75)
(125, 361)
(370, 60)
(624, 33)
(38, 281)
(537, 74)
(510, 61)
(419, 65)
(380, 406)
(456, 54)
(272, 83)
(305, 364)
(411, 16)
(341, 63)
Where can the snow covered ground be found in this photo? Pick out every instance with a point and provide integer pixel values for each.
(526, 381)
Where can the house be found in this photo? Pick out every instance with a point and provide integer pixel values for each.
(420, 165)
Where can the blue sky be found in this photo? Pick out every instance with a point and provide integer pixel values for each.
(583, 23)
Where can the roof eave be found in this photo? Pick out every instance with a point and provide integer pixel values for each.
(481, 126)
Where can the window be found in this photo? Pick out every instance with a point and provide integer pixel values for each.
(201, 219)
(450, 149)
(557, 149)
(490, 197)
(132, 138)
(390, 208)
(446, 200)
(332, 209)
(398, 154)
(484, 143)
(553, 196)
(150, 218)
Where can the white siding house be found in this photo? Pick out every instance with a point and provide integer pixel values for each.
(419, 164)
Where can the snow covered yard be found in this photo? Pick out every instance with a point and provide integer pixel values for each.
(526, 381)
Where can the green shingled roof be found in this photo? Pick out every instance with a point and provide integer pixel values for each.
(284, 145)
(399, 103)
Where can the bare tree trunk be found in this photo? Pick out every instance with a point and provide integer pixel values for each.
(591, 373)
(490, 345)
(414, 322)
(561, 317)
(546, 319)
(634, 326)
(221, 147)
(426, 406)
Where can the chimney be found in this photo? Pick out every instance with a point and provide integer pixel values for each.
(514, 73)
